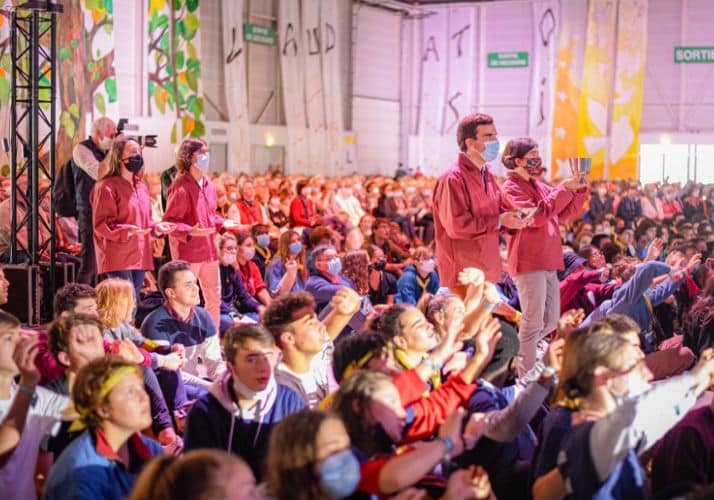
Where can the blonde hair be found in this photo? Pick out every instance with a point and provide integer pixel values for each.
(112, 293)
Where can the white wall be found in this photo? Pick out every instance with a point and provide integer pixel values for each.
(376, 88)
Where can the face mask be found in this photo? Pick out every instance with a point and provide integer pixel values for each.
(248, 253)
(601, 192)
(670, 197)
(410, 190)
(228, 259)
(295, 248)
(490, 151)
(339, 475)
(380, 264)
(534, 166)
(233, 196)
(134, 163)
(263, 240)
(105, 143)
(203, 161)
(357, 187)
(427, 266)
(427, 192)
(635, 389)
(334, 266)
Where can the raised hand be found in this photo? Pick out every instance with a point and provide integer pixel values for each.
(24, 357)
(570, 321)
(346, 301)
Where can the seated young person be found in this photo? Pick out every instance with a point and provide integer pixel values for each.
(306, 342)
(249, 270)
(287, 271)
(181, 321)
(28, 413)
(74, 341)
(418, 278)
(241, 409)
(369, 405)
(237, 304)
(105, 460)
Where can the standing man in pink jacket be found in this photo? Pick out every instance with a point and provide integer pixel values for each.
(535, 252)
(468, 210)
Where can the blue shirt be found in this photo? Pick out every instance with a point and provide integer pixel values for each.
(275, 272)
(90, 469)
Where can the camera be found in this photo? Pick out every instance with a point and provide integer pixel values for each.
(149, 140)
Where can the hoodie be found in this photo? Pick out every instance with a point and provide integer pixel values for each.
(216, 421)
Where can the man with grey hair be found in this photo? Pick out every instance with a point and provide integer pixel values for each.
(89, 164)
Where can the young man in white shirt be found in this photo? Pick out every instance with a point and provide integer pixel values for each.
(306, 342)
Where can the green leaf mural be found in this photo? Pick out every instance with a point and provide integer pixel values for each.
(174, 66)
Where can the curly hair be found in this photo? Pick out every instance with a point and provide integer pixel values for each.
(88, 386)
(352, 403)
(389, 324)
(283, 310)
(66, 297)
(356, 263)
(292, 456)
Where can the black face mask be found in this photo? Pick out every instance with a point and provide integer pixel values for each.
(380, 264)
(134, 163)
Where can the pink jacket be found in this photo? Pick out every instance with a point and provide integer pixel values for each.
(538, 247)
(187, 205)
(466, 222)
(116, 205)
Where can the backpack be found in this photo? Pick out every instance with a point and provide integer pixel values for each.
(63, 194)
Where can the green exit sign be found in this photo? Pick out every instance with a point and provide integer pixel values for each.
(688, 55)
(508, 59)
(257, 33)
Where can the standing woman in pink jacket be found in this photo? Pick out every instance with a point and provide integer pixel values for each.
(191, 205)
(535, 252)
(121, 214)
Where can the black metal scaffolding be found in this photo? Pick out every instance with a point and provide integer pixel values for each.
(32, 129)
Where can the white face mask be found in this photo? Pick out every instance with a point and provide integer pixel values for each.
(228, 259)
(427, 266)
(248, 253)
(105, 143)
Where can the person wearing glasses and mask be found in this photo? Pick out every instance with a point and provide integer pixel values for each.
(122, 222)
(467, 206)
(191, 205)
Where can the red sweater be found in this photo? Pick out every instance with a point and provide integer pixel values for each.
(116, 205)
(250, 213)
(302, 212)
(538, 247)
(187, 205)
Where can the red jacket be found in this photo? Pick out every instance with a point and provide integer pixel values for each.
(187, 205)
(538, 246)
(466, 222)
(429, 412)
(250, 214)
(302, 212)
(116, 205)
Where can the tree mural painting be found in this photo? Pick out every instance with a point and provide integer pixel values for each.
(174, 66)
(5, 70)
(87, 82)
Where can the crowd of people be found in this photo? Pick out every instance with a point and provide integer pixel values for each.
(291, 337)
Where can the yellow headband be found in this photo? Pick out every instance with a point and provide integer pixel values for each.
(109, 384)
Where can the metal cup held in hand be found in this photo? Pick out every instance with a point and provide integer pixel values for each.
(580, 166)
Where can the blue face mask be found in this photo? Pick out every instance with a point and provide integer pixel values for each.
(335, 266)
(263, 240)
(295, 248)
(203, 161)
(490, 152)
(339, 475)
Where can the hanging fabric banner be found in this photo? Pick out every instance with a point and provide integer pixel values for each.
(314, 97)
(330, 49)
(236, 87)
(568, 79)
(291, 57)
(596, 89)
(434, 72)
(629, 86)
(461, 61)
(546, 18)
